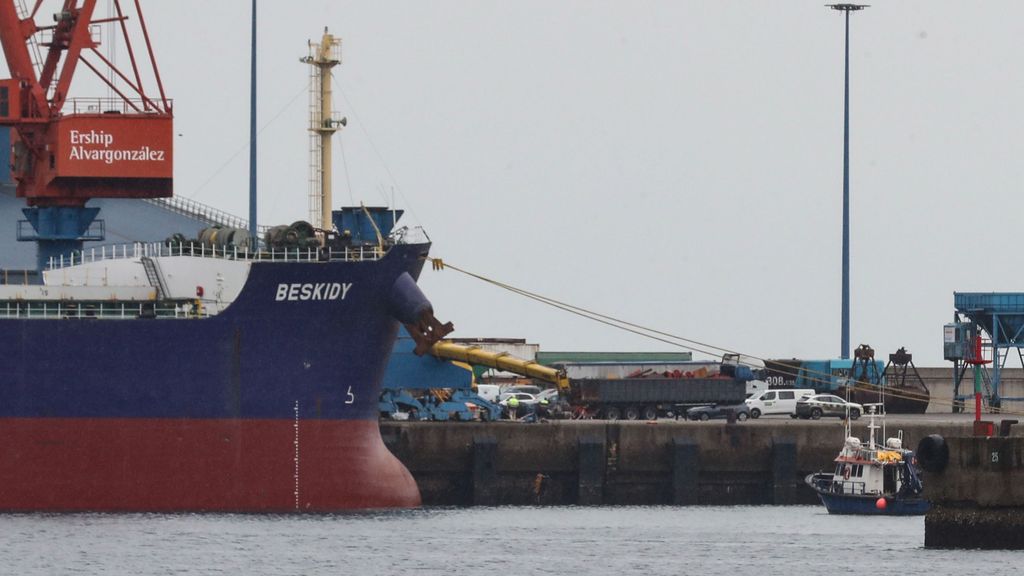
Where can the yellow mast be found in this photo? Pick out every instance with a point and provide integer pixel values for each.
(323, 123)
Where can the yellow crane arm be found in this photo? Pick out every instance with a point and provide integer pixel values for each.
(500, 360)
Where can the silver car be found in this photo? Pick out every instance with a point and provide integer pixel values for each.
(814, 407)
(525, 399)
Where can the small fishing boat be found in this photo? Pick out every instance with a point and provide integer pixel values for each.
(871, 478)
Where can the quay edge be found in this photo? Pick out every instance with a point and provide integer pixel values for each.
(978, 496)
(629, 463)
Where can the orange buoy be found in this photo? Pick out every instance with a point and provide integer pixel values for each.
(881, 504)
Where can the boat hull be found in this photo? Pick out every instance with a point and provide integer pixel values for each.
(269, 406)
(222, 465)
(838, 503)
(862, 505)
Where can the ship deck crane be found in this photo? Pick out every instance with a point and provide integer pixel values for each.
(66, 151)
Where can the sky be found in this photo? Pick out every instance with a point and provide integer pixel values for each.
(676, 164)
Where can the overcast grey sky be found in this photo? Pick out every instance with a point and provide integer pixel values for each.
(677, 164)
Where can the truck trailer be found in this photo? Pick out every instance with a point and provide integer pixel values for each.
(650, 398)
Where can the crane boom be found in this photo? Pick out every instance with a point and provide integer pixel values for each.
(501, 361)
(13, 36)
(65, 151)
(99, 148)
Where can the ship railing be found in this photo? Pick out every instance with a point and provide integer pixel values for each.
(106, 310)
(204, 212)
(855, 487)
(113, 106)
(202, 250)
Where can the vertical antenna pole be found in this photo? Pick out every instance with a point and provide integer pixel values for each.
(254, 241)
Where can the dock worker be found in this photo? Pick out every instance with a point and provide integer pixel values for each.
(513, 405)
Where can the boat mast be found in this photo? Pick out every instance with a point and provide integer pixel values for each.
(871, 427)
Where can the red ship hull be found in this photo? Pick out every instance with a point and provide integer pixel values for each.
(229, 465)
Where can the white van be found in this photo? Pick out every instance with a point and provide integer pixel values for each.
(488, 392)
(778, 401)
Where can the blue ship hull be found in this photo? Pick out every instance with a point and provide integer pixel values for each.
(841, 504)
(270, 405)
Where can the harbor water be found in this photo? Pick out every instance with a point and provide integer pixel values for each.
(760, 540)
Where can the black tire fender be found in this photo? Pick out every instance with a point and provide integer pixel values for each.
(933, 453)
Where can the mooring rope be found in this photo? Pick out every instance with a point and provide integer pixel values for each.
(810, 375)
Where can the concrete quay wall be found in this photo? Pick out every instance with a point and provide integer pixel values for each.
(939, 381)
(629, 463)
(978, 498)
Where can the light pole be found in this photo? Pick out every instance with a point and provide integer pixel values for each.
(253, 228)
(845, 348)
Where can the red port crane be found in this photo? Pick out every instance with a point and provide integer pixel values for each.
(65, 151)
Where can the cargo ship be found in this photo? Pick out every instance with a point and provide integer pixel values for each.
(191, 377)
(212, 371)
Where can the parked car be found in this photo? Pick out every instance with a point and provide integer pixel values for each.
(529, 389)
(549, 394)
(780, 401)
(525, 399)
(819, 405)
(718, 411)
(528, 403)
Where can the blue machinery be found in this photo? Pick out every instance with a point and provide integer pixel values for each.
(59, 230)
(1001, 316)
(413, 384)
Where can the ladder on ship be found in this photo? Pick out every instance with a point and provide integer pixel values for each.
(156, 280)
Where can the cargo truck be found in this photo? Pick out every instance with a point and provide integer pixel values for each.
(650, 398)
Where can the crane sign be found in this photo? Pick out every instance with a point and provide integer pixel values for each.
(65, 151)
